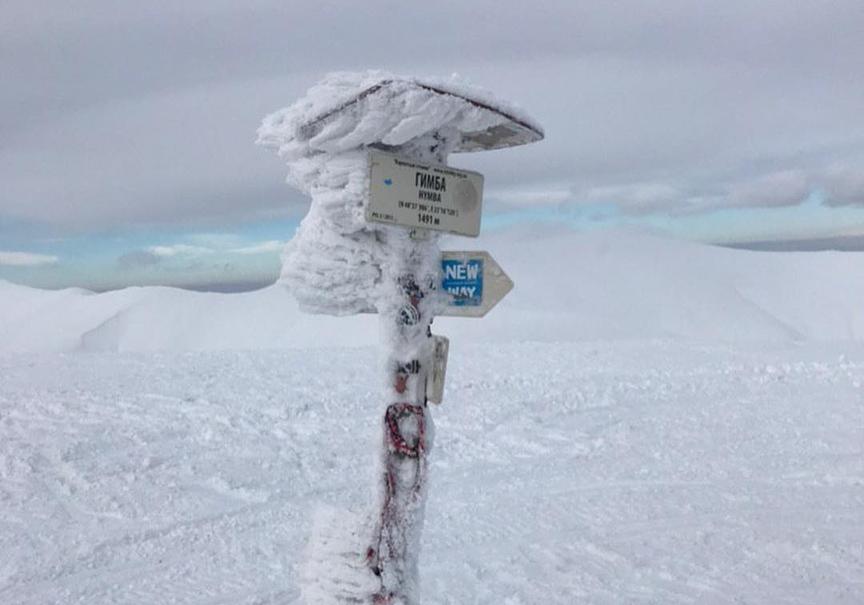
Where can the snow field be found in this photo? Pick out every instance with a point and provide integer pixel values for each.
(641, 472)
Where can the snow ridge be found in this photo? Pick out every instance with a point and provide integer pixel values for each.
(569, 287)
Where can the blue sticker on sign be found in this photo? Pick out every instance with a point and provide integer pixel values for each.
(463, 280)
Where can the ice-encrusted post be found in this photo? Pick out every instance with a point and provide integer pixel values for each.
(406, 315)
(338, 263)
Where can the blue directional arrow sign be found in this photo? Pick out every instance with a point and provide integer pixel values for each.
(463, 281)
(472, 282)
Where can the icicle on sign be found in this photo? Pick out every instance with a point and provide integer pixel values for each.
(407, 193)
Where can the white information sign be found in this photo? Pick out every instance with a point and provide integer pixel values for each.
(426, 196)
(473, 283)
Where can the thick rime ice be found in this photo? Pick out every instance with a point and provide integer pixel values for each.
(337, 263)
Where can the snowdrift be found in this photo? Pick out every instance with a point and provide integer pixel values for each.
(569, 286)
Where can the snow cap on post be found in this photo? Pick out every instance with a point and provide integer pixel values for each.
(350, 110)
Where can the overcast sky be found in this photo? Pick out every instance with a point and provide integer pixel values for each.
(127, 128)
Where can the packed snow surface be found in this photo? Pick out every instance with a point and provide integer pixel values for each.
(563, 473)
(640, 421)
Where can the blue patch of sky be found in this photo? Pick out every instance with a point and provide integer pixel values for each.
(580, 216)
(812, 219)
(96, 260)
(106, 260)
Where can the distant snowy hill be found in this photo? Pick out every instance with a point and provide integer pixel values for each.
(569, 286)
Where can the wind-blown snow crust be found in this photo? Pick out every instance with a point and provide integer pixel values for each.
(602, 473)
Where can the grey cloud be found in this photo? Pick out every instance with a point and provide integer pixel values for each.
(844, 185)
(786, 188)
(113, 114)
(138, 259)
(676, 198)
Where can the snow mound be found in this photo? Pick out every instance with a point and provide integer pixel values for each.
(569, 287)
(628, 285)
(160, 318)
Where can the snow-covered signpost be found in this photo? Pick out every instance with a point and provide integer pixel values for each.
(371, 150)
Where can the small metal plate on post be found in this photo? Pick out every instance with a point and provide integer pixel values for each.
(437, 374)
(425, 196)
